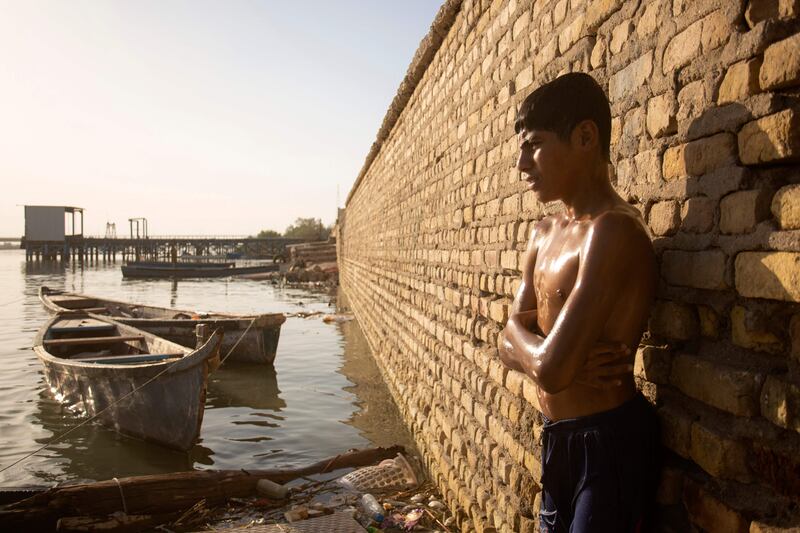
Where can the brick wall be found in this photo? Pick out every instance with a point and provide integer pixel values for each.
(705, 142)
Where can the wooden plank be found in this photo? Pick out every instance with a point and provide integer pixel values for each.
(72, 326)
(92, 340)
(127, 359)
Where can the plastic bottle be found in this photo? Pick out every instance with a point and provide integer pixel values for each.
(271, 489)
(371, 506)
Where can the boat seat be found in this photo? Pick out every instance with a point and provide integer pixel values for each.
(128, 359)
(92, 340)
(74, 326)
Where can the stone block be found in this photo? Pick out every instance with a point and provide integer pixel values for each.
(742, 210)
(571, 34)
(763, 527)
(530, 392)
(598, 11)
(664, 217)
(711, 513)
(781, 67)
(752, 337)
(740, 82)
(771, 139)
(648, 166)
(649, 21)
(701, 270)
(693, 100)
(709, 321)
(498, 310)
(523, 79)
(697, 214)
(716, 31)
(630, 78)
(520, 25)
(786, 207)
(760, 10)
(683, 48)
(770, 275)
(661, 116)
(620, 35)
(598, 57)
(509, 259)
(673, 320)
(780, 402)
(652, 364)
(722, 386)
(794, 334)
(676, 430)
(700, 157)
(718, 454)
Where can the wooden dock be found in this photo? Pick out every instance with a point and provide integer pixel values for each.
(165, 248)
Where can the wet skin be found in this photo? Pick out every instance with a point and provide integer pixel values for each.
(588, 280)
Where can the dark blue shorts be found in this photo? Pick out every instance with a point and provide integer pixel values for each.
(600, 472)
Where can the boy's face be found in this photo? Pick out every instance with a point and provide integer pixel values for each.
(546, 162)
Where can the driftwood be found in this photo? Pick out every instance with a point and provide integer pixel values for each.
(165, 493)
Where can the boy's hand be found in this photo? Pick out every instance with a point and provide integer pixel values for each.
(606, 365)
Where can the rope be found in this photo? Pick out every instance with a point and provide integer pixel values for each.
(96, 415)
(13, 301)
(250, 325)
(122, 496)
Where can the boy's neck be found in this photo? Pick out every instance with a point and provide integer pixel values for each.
(595, 196)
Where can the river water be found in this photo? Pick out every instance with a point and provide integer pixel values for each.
(323, 396)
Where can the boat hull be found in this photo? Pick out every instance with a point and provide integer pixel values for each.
(168, 405)
(258, 344)
(134, 271)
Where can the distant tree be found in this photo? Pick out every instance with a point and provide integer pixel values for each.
(267, 234)
(308, 228)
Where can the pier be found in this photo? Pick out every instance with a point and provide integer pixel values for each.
(91, 249)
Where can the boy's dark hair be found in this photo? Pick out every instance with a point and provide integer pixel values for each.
(563, 103)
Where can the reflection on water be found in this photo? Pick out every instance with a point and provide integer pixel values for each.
(245, 385)
(323, 396)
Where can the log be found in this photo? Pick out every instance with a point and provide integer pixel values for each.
(164, 493)
(119, 523)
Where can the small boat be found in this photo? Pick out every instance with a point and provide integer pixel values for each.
(258, 343)
(139, 384)
(191, 270)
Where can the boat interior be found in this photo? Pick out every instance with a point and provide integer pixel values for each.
(74, 302)
(86, 339)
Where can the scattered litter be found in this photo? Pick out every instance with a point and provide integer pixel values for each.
(338, 318)
(394, 502)
(271, 489)
(388, 475)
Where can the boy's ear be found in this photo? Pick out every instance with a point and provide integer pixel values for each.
(587, 133)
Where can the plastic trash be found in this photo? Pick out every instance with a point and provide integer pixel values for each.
(391, 474)
(372, 507)
(273, 490)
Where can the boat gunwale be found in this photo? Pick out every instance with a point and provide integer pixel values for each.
(215, 319)
(191, 357)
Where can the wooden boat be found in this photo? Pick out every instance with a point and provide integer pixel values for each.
(258, 345)
(95, 364)
(181, 270)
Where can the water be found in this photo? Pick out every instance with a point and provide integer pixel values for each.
(323, 396)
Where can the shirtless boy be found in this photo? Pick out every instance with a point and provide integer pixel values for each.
(588, 282)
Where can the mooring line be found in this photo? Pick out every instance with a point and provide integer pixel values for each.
(13, 301)
(96, 415)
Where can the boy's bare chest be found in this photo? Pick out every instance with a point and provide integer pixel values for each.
(556, 270)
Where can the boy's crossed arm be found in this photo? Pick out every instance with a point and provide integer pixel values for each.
(573, 350)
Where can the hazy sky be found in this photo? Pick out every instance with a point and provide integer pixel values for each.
(205, 117)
